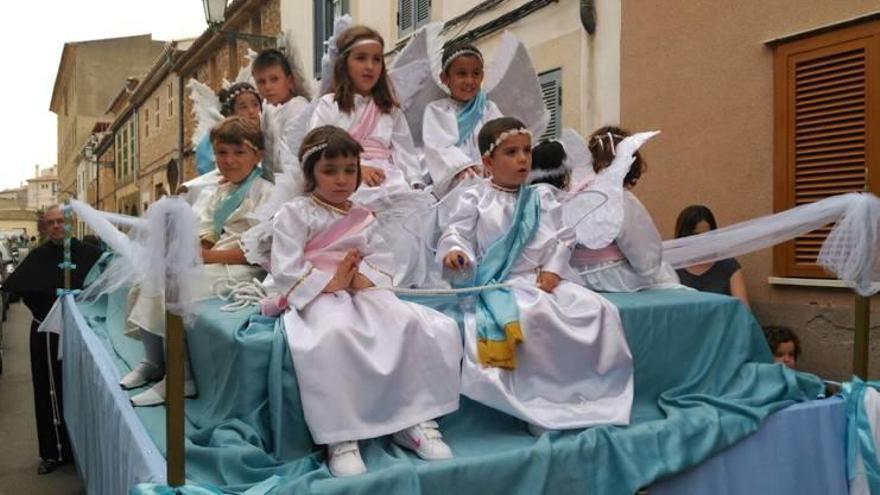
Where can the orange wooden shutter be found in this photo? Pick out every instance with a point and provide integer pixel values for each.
(827, 129)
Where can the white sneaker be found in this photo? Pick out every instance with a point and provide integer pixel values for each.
(537, 430)
(344, 459)
(155, 395)
(425, 440)
(141, 375)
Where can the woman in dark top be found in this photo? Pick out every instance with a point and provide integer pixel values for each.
(722, 277)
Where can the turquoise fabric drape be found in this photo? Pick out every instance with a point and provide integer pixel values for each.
(704, 379)
(231, 202)
(470, 115)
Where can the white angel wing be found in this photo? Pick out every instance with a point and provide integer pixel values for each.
(340, 24)
(512, 83)
(415, 74)
(597, 227)
(297, 132)
(257, 241)
(578, 157)
(206, 107)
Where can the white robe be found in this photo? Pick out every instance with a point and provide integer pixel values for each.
(148, 311)
(367, 363)
(443, 157)
(278, 124)
(574, 367)
(402, 171)
(642, 267)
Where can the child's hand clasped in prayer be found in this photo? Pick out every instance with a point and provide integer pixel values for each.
(547, 281)
(456, 260)
(372, 176)
(345, 272)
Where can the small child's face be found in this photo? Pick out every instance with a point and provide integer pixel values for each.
(364, 66)
(247, 105)
(785, 354)
(511, 161)
(463, 77)
(274, 85)
(336, 178)
(235, 161)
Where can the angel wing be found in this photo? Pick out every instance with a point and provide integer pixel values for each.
(578, 159)
(512, 83)
(206, 108)
(340, 24)
(595, 224)
(415, 74)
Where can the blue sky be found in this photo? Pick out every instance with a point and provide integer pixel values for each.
(30, 49)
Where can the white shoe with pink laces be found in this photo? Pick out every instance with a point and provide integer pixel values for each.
(425, 440)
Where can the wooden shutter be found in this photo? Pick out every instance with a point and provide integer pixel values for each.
(827, 129)
(551, 91)
(405, 17)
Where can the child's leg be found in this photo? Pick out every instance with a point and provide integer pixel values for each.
(152, 368)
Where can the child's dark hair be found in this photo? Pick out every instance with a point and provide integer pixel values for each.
(459, 50)
(780, 335)
(492, 129)
(690, 217)
(382, 93)
(333, 142)
(228, 95)
(272, 57)
(238, 130)
(548, 164)
(603, 143)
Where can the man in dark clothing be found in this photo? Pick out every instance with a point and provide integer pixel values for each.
(36, 280)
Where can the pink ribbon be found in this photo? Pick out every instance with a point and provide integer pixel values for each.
(362, 132)
(583, 256)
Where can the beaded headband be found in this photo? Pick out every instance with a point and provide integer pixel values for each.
(600, 141)
(459, 53)
(314, 149)
(505, 136)
(361, 42)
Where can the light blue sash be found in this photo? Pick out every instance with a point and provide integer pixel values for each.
(498, 328)
(205, 156)
(470, 115)
(233, 201)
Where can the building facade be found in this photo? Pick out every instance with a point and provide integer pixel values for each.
(773, 107)
(42, 189)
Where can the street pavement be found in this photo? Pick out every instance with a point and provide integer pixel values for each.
(18, 437)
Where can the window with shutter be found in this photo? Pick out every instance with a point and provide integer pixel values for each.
(827, 92)
(551, 90)
(405, 20)
(325, 12)
(422, 13)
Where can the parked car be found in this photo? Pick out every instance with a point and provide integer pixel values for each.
(7, 266)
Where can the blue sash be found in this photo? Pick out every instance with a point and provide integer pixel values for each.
(498, 328)
(858, 433)
(205, 156)
(233, 201)
(470, 115)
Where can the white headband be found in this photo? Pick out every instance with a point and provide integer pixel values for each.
(361, 42)
(506, 135)
(459, 53)
(311, 151)
(599, 139)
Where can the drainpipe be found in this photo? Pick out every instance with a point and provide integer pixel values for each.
(588, 15)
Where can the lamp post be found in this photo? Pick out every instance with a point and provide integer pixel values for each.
(215, 15)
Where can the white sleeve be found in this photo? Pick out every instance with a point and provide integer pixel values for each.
(326, 112)
(639, 240)
(492, 112)
(206, 217)
(403, 151)
(295, 278)
(459, 228)
(377, 263)
(443, 159)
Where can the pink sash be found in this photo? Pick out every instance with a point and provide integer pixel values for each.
(362, 132)
(583, 256)
(320, 252)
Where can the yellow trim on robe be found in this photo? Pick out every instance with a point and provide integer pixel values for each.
(501, 353)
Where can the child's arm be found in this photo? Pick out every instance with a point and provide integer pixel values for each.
(455, 248)
(295, 277)
(444, 160)
(375, 265)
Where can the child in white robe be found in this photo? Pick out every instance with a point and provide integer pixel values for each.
(545, 350)
(363, 103)
(367, 363)
(451, 125)
(238, 149)
(634, 259)
(286, 95)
